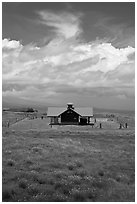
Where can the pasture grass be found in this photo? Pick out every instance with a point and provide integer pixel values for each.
(74, 166)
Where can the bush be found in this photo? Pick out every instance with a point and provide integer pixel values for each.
(30, 110)
(23, 183)
(41, 180)
(10, 162)
(79, 164)
(75, 179)
(37, 149)
(81, 172)
(63, 186)
(7, 193)
(28, 161)
(71, 166)
(101, 173)
(78, 196)
(33, 190)
(58, 197)
(99, 183)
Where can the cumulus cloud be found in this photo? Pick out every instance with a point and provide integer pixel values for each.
(94, 68)
(13, 44)
(66, 66)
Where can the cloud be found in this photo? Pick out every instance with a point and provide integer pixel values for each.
(66, 66)
(13, 44)
(119, 34)
(63, 24)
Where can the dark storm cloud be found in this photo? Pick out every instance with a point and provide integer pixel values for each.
(20, 20)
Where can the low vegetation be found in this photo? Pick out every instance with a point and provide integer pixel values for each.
(11, 117)
(76, 165)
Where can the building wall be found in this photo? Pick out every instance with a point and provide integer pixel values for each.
(69, 116)
(59, 119)
(101, 119)
(54, 120)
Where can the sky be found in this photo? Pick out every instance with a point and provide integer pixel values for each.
(59, 52)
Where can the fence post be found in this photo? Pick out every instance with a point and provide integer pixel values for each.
(120, 126)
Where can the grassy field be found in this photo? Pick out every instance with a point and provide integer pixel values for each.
(67, 163)
(11, 117)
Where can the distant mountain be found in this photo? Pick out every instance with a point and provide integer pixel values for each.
(102, 110)
(14, 102)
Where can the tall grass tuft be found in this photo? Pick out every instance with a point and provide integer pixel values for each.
(11, 162)
(7, 193)
(23, 183)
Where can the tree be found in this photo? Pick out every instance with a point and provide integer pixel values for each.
(30, 110)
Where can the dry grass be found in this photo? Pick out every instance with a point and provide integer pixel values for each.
(11, 117)
(62, 165)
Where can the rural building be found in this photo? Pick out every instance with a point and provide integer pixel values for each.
(101, 117)
(70, 115)
(5, 109)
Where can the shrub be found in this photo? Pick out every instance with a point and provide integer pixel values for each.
(71, 166)
(23, 183)
(118, 178)
(75, 179)
(41, 180)
(50, 181)
(81, 172)
(79, 164)
(33, 190)
(101, 173)
(30, 110)
(58, 175)
(58, 197)
(28, 161)
(78, 196)
(91, 195)
(49, 191)
(66, 190)
(10, 162)
(63, 186)
(99, 183)
(7, 193)
(58, 185)
(56, 165)
(37, 149)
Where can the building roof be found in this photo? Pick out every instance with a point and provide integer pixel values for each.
(83, 111)
(55, 111)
